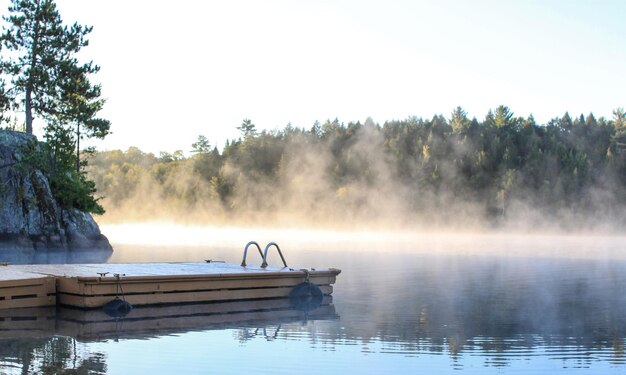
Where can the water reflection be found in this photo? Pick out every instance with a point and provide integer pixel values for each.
(52, 355)
(499, 309)
(545, 307)
(21, 256)
(47, 340)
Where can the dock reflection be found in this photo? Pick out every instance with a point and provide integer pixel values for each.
(152, 321)
(43, 340)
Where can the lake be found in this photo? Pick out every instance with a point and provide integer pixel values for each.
(404, 302)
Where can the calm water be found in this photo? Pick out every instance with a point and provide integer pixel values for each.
(403, 303)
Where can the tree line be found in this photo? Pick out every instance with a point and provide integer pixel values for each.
(423, 170)
(500, 168)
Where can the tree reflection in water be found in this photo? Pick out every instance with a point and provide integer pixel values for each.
(54, 355)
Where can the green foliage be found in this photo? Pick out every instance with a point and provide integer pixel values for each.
(5, 103)
(56, 158)
(47, 80)
(619, 119)
(489, 164)
(503, 117)
(79, 103)
(75, 191)
(41, 55)
(247, 129)
(201, 145)
(459, 121)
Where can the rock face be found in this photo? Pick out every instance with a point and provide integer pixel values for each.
(30, 217)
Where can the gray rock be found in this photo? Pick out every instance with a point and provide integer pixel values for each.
(82, 231)
(30, 217)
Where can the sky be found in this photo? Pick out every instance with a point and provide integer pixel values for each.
(172, 70)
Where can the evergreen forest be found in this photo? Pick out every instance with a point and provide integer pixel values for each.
(445, 171)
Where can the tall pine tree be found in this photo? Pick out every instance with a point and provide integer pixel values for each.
(37, 45)
(78, 104)
(45, 79)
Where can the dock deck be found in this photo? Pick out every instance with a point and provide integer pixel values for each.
(93, 285)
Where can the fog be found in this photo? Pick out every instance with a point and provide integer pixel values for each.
(411, 175)
(162, 241)
(486, 295)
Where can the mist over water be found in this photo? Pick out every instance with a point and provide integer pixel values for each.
(478, 302)
(441, 302)
(395, 243)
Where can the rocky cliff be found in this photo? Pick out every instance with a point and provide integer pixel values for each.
(30, 217)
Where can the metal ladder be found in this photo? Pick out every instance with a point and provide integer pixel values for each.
(263, 254)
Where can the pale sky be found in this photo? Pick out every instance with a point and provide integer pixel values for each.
(172, 70)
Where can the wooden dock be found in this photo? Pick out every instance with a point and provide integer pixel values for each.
(93, 285)
(19, 288)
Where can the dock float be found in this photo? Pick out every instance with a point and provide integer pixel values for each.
(19, 288)
(91, 286)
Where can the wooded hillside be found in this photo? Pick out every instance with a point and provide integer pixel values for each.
(503, 170)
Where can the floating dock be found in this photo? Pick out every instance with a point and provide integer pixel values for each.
(21, 288)
(89, 286)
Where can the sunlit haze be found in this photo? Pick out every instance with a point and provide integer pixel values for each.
(174, 70)
(431, 184)
(179, 237)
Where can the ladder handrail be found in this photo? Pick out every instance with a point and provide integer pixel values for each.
(245, 252)
(264, 265)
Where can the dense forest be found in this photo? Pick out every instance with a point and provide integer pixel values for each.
(503, 171)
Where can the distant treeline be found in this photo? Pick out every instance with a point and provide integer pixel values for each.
(502, 170)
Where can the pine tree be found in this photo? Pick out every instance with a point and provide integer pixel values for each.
(47, 80)
(459, 120)
(70, 187)
(247, 129)
(78, 104)
(619, 119)
(503, 116)
(201, 145)
(39, 48)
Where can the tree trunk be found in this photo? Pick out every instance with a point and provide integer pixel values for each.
(77, 148)
(28, 101)
(28, 109)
